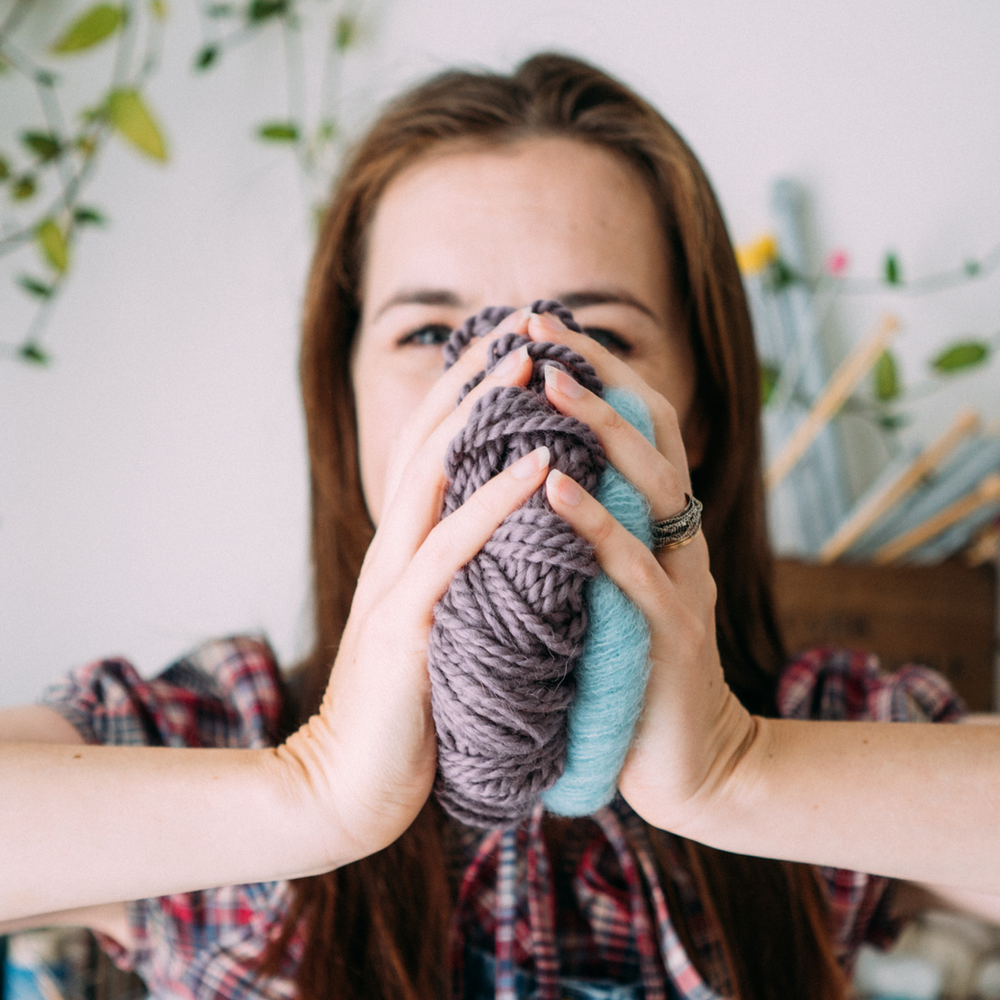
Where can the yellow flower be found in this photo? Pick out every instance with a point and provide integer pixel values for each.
(754, 257)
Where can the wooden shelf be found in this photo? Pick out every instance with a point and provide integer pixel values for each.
(942, 616)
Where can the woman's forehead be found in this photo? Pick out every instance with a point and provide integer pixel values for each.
(510, 224)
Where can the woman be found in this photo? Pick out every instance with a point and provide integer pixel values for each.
(477, 190)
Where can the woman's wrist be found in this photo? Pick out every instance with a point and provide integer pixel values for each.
(734, 783)
(302, 780)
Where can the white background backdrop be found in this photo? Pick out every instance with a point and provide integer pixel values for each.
(152, 480)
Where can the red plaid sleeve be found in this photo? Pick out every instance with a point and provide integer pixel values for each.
(843, 684)
(226, 693)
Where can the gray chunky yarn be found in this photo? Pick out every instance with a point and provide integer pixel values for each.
(508, 632)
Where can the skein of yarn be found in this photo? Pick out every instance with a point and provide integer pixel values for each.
(613, 669)
(509, 633)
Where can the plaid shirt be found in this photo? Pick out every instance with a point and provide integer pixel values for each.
(599, 915)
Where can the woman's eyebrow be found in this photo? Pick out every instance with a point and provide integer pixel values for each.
(600, 297)
(422, 297)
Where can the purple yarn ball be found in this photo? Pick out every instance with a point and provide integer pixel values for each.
(509, 631)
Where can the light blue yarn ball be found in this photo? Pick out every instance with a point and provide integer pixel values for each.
(612, 672)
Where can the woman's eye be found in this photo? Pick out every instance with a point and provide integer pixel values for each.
(430, 335)
(607, 339)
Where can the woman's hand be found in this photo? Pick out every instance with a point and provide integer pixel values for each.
(693, 731)
(369, 757)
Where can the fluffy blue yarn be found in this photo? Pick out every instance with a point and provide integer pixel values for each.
(611, 675)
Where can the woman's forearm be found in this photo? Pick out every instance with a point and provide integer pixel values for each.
(83, 825)
(911, 801)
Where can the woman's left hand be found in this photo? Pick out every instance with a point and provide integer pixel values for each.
(693, 731)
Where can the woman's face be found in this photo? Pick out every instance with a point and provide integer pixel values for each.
(463, 229)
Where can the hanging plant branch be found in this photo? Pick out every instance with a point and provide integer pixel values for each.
(317, 143)
(71, 155)
(761, 262)
(43, 182)
(763, 258)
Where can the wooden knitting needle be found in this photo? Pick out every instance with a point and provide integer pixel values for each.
(988, 491)
(922, 466)
(985, 548)
(841, 385)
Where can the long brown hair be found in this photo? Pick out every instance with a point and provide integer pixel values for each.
(378, 928)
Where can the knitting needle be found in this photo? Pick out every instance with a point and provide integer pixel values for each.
(985, 547)
(988, 491)
(841, 385)
(922, 466)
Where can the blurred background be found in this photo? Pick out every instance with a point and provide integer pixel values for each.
(161, 166)
(152, 471)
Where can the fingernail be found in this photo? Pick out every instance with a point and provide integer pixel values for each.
(533, 462)
(551, 323)
(514, 320)
(509, 362)
(562, 382)
(564, 488)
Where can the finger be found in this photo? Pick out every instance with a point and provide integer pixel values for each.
(614, 371)
(415, 506)
(626, 560)
(621, 555)
(424, 473)
(440, 400)
(461, 535)
(627, 449)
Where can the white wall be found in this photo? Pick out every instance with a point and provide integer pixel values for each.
(152, 481)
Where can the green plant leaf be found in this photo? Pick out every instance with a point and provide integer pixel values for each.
(886, 375)
(4, 169)
(892, 421)
(891, 270)
(133, 121)
(769, 375)
(84, 215)
(958, 357)
(44, 145)
(262, 10)
(23, 188)
(52, 242)
(90, 28)
(779, 275)
(279, 132)
(35, 287)
(206, 57)
(220, 10)
(34, 354)
(159, 9)
(345, 32)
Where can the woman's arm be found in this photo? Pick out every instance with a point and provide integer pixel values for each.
(36, 724)
(84, 825)
(110, 919)
(40, 724)
(911, 801)
(918, 802)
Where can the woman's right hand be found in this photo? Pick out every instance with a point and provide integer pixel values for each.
(369, 757)
(89, 825)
